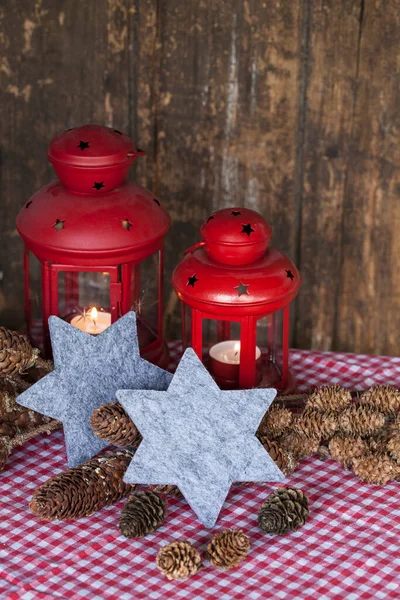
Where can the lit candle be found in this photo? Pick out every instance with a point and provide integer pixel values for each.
(93, 322)
(224, 362)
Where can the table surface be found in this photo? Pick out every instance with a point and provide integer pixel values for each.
(349, 547)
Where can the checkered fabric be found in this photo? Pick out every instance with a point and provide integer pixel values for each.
(349, 547)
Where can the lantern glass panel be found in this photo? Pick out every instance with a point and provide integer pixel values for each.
(78, 292)
(35, 299)
(145, 297)
(269, 340)
(186, 326)
(221, 351)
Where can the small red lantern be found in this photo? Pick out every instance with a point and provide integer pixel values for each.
(94, 242)
(235, 294)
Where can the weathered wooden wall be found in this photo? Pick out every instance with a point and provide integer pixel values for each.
(289, 107)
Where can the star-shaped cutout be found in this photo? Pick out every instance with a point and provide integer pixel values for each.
(236, 213)
(83, 145)
(88, 370)
(59, 224)
(210, 218)
(27, 205)
(156, 201)
(126, 224)
(192, 280)
(242, 289)
(98, 185)
(247, 229)
(289, 274)
(117, 131)
(199, 437)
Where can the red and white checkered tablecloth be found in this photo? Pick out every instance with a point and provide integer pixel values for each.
(349, 547)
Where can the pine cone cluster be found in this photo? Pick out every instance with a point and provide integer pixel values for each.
(361, 420)
(345, 449)
(275, 421)
(142, 514)
(285, 510)
(329, 399)
(111, 423)
(284, 458)
(82, 490)
(178, 560)
(384, 398)
(228, 548)
(377, 468)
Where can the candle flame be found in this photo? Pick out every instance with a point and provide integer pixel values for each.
(94, 314)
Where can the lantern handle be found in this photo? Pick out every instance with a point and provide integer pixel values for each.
(194, 247)
(137, 153)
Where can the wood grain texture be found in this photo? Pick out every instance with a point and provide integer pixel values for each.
(287, 107)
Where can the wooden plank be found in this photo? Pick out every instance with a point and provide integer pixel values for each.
(226, 116)
(61, 65)
(369, 298)
(333, 35)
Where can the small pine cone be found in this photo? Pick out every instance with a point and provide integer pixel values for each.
(375, 468)
(283, 458)
(142, 514)
(178, 560)
(111, 423)
(379, 441)
(345, 449)
(299, 445)
(316, 425)
(393, 447)
(384, 398)
(360, 419)
(274, 422)
(228, 548)
(331, 398)
(285, 510)
(82, 490)
(16, 353)
(164, 489)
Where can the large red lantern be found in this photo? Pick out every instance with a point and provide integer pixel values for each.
(236, 292)
(94, 242)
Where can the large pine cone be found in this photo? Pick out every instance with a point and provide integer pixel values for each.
(377, 468)
(299, 445)
(16, 353)
(111, 423)
(316, 425)
(285, 510)
(275, 422)
(142, 514)
(361, 420)
(345, 449)
(81, 491)
(283, 458)
(178, 560)
(393, 447)
(331, 398)
(384, 398)
(228, 548)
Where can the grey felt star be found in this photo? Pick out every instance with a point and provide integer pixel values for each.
(87, 372)
(199, 437)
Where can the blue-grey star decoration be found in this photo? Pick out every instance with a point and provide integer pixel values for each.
(88, 370)
(199, 437)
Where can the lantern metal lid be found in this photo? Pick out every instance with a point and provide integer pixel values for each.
(230, 273)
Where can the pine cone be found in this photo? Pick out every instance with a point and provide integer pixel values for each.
(379, 441)
(284, 459)
(331, 398)
(299, 445)
(178, 560)
(285, 510)
(274, 422)
(142, 514)
(111, 423)
(316, 425)
(345, 449)
(228, 548)
(4, 453)
(16, 353)
(375, 468)
(81, 491)
(393, 447)
(164, 489)
(360, 419)
(384, 398)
